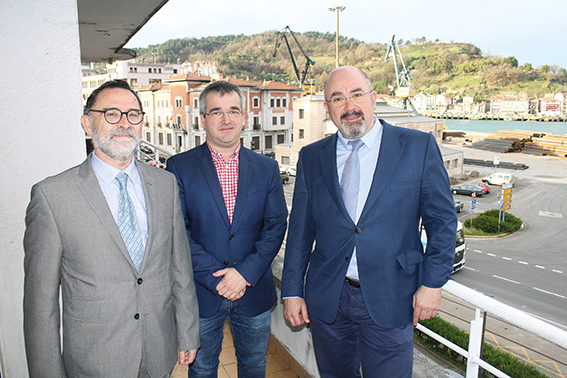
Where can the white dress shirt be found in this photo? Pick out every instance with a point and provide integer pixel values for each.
(368, 158)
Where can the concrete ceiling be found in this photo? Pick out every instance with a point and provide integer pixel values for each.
(105, 26)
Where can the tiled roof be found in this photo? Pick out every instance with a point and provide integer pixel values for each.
(189, 76)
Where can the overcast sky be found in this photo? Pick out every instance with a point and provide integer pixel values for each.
(533, 32)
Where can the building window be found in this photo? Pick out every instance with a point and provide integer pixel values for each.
(160, 138)
(301, 113)
(268, 142)
(256, 123)
(256, 102)
(281, 138)
(149, 137)
(285, 160)
(175, 71)
(255, 143)
(282, 120)
(149, 70)
(133, 82)
(196, 123)
(179, 120)
(197, 140)
(284, 102)
(278, 103)
(301, 134)
(274, 120)
(169, 140)
(178, 102)
(271, 102)
(195, 103)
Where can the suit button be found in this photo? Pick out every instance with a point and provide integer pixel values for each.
(137, 316)
(357, 230)
(347, 260)
(231, 237)
(226, 263)
(140, 281)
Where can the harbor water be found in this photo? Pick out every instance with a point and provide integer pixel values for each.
(493, 126)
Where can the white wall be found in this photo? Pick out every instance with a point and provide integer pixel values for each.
(40, 135)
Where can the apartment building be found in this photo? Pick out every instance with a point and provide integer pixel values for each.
(550, 106)
(510, 105)
(137, 74)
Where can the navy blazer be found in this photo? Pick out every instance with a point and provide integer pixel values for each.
(410, 182)
(253, 239)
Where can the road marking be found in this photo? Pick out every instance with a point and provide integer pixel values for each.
(506, 279)
(491, 254)
(469, 268)
(477, 251)
(557, 271)
(540, 267)
(550, 293)
(549, 214)
(506, 258)
(523, 262)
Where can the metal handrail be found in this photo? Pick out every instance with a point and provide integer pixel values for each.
(512, 315)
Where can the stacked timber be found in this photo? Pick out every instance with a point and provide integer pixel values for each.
(525, 141)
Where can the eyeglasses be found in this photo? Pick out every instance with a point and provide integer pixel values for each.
(114, 115)
(230, 113)
(355, 97)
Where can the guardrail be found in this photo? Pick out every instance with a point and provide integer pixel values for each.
(510, 314)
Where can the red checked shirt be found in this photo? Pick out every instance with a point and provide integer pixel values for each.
(227, 171)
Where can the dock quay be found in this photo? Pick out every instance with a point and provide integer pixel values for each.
(497, 117)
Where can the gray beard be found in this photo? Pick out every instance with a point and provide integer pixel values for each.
(117, 151)
(353, 130)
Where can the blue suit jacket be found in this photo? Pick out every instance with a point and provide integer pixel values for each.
(253, 239)
(410, 182)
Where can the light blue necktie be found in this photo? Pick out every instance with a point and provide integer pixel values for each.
(128, 223)
(350, 179)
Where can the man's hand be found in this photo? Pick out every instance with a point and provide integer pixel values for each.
(295, 311)
(426, 303)
(186, 357)
(232, 286)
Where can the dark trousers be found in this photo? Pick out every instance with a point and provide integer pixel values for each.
(354, 339)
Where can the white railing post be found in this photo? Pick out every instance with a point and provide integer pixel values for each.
(475, 345)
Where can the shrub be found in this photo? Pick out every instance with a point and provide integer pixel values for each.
(488, 222)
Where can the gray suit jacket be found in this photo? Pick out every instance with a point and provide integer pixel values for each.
(111, 313)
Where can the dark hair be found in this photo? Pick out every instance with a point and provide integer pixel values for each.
(109, 85)
(221, 87)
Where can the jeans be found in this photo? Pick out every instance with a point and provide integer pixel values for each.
(250, 336)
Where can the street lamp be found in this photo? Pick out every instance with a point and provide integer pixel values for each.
(338, 9)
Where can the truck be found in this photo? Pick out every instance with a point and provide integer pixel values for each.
(460, 246)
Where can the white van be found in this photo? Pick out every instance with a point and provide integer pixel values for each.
(460, 247)
(500, 179)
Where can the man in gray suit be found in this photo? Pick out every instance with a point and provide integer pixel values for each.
(115, 246)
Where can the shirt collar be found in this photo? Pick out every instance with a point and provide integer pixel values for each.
(107, 173)
(219, 157)
(369, 139)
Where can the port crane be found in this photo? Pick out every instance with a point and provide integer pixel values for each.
(403, 76)
(281, 36)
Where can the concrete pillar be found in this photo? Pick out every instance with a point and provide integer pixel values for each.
(40, 135)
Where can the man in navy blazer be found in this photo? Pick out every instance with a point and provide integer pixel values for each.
(236, 218)
(368, 279)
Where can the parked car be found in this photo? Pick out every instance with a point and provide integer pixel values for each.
(146, 150)
(458, 205)
(284, 176)
(468, 189)
(291, 171)
(484, 185)
(500, 179)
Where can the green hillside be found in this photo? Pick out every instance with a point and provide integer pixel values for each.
(457, 69)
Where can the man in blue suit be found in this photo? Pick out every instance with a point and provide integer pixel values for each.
(368, 279)
(236, 218)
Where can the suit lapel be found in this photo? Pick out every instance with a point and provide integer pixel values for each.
(207, 167)
(244, 176)
(391, 149)
(328, 159)
(151, 196)
(95, 198)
